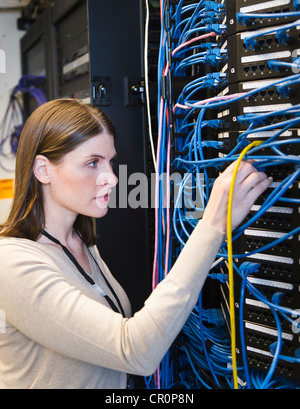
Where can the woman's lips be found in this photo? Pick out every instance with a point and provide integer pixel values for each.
(102, 198)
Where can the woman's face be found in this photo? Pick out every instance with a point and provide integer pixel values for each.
(82, 181)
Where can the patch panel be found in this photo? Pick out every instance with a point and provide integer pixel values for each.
(277, 270)
(245, 64)
(259, 326)
(230, 137)
(261, 360)
(256, 311)
(262, 337)
(273, 268)
(256, 239)
(260, 334)
(270, 288)
(263, 97)
(279, 217)
(259, 340)
(250, 7)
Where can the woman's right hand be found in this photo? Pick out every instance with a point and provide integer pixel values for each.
(249, 185)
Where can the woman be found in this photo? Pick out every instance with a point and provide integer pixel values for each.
(68, 322)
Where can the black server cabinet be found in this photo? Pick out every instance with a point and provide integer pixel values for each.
(116, 33)
(70, 27)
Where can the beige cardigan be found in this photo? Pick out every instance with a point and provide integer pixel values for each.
(61, 334)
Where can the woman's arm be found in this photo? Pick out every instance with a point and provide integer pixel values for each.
(45, 307)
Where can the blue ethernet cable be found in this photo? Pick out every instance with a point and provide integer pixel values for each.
(279, 330)
(245, 269)
(270, 201)
(270, 245)
(203, 342)
(220, 104)
(275, 65)
(273, 308)
(14, 115)
(250, 41)
(191, 144)
(259, 296)
(190, 22)
(244, 18)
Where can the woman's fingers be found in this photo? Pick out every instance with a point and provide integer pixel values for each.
(250, 181)
(249, 185)
(258, 186)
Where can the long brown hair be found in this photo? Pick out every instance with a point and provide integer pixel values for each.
(52, 130)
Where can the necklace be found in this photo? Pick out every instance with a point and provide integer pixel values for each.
(87, 277)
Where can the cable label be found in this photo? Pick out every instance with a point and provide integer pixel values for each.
(270, 283)
(266, 108)
(268, 331)
(269, 257)
(268, 56)
(264, 6)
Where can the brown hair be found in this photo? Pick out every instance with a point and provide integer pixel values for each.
(52, 130)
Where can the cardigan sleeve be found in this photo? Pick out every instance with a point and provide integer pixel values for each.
(40, 303)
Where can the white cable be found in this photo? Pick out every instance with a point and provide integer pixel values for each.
(147, 83)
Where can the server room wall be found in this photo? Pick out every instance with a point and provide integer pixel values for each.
(9, 75)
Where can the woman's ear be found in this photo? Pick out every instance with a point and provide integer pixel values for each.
(41, 169)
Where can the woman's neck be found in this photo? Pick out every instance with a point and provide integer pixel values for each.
(60, 226)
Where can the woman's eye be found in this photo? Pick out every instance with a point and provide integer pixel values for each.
(93, 164)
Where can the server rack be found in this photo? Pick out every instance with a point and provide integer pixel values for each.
(259, 45)
(38, 56)
(214, 52)
(71, 35)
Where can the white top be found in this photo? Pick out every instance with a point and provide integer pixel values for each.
(61, 333)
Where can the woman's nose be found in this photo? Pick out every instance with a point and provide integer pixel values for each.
(107, 179)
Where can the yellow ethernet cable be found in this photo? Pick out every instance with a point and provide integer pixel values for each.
(230, 264)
